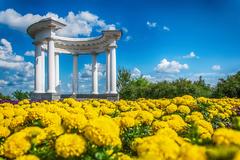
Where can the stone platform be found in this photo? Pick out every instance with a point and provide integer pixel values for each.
(56, 96)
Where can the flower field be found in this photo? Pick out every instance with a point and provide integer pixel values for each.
(182, 128)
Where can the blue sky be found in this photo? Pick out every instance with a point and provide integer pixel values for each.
(162, 40)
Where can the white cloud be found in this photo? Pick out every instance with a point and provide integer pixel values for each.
(151, 24)
(128, 38)
(3, 82)
(150, 78)
(125, 29)
(216, 67)
(165, 28)
(17, 73)
(86, 73)
(170, 66)
(29, 53)
(81, 23)
(191, 55)
(135, 73)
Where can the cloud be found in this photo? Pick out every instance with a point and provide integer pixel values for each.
(81, 23)
(151, 24)
(86, 73)
(216, 67)
(3, 82)
(125, 29)
(29, 53)
(128, 38)
(170, 66)
(135, 73)
(191, 55)
(15, 71)
(209, 77)
(165, 28)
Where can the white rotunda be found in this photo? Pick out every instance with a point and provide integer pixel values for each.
(45, 40)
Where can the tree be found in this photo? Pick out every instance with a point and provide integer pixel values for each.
(3, 97)
(20, 95)
(229, 87)
(124, 77)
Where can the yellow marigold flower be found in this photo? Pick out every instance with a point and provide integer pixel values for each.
(168, 132)
(237, 156)
(156, 125)
(192, 152)
(195, 116)
(17, 121)
(127, 122)
(54, 131)
(145, 117)
(226, 136)
(4, 131)
(162, 103)
(6, 122)
(35, 134)
(27, 157)
(36, 113)
(8, 112)
(16, 145)
(74, 121)
(121, 156)
(1, 116)
(70, 145)
(175, 122)
(103, 131)
(49, 119)
(69, 101)
(156, 146)
(106, 110)
(157, 113)
(171, 108)
(184, 109)
(205, 129)
(1, 150)
(91, 112)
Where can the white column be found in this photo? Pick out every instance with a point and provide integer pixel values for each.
(51, 67)
(57, 72)
(43, 71)
(38, 68)
(107, 71)
(75, 74)
(94, 74)
(113, 74)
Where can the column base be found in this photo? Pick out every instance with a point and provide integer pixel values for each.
(38, 92)
(107, 92)
(51, 91)
(94, 92)
(111, 97)
(113, 92)
(45, 96)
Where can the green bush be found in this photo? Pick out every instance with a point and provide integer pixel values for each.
(20, 95)
(134, 88)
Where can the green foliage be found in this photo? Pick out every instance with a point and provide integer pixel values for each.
(20, 95)
(236, 122)
(124, 77)
(132, 89)
(3, 97)
(221, 152)
(129, 134)
(229, 87)
(44, 151)
(95, 152)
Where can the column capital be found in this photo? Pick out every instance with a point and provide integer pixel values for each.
(37, 43)
(49, 38)
(113, 45)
